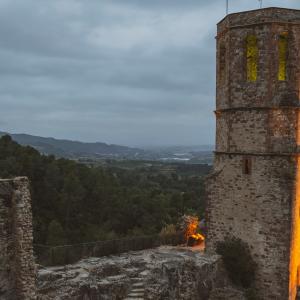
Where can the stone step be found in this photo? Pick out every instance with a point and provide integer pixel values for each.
(134, 294)
(134, 297)
(138, 290)
(138, 284)
(144, 273)
(137, 279)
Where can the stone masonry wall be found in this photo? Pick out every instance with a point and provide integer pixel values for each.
(257, 131)
(17, 267)
(267, 91)
(255, 208)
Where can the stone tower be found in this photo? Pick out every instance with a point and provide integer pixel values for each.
(254, 190)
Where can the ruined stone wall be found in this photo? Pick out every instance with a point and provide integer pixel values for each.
(164, 273)
(253, 192)
(17, 267)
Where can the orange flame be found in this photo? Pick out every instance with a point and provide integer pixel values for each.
(199, 237)
(191, 230)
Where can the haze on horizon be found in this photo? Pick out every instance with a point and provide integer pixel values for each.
(125, 72)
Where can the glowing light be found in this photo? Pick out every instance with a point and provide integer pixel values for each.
(191, 231)
(295, 237)
(198, 237)
(282, 50)
(252, 57)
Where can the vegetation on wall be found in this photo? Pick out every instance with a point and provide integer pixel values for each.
(237, 260)
(73, 203)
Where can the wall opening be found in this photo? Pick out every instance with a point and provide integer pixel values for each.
(222, 63)
(282, 53)
(252, 58)
(246, 166)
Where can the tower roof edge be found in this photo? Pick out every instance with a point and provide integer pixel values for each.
(260, 15)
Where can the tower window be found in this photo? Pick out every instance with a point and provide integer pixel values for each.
(252, 58)
(222, 62)
(246, 165)
(282, 52)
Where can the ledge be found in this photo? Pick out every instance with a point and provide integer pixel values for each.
(228, 28)
(270, 8)
(280, 154)
(262, 108)
(14, 179)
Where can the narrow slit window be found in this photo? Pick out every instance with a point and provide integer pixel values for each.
(282, 51)
(247, 166)
(222, 62)
(252, 58)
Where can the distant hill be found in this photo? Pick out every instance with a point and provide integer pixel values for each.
(75, 149)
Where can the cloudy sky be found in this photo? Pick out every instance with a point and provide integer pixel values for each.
(133, 72)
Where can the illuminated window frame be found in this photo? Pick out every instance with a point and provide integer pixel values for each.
(252, 57)
(282, 56)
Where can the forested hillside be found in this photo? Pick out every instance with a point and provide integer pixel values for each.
(73, 149)
(74, 203)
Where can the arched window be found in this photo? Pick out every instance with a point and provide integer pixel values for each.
(282, 52)
(252, 58)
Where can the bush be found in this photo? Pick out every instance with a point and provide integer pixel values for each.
(168, 230)
(237, 261)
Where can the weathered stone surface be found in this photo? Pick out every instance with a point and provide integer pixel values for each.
(17, 267)
(226, 293)
(163, 273)
(253, 192)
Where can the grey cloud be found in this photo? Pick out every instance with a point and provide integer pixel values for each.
(129, 72)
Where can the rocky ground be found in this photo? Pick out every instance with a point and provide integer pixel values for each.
(163, 273)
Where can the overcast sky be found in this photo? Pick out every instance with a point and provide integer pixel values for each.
(132, 72)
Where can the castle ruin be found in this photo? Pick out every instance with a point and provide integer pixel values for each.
(254, 190)
(17, 267)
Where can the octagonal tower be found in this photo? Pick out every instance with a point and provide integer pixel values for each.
(254, 190)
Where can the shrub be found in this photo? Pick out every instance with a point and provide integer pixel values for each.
(237, 261)
(168, 230)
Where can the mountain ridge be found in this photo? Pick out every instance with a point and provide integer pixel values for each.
(72, 149)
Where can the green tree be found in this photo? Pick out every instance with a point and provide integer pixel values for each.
(56, 235)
